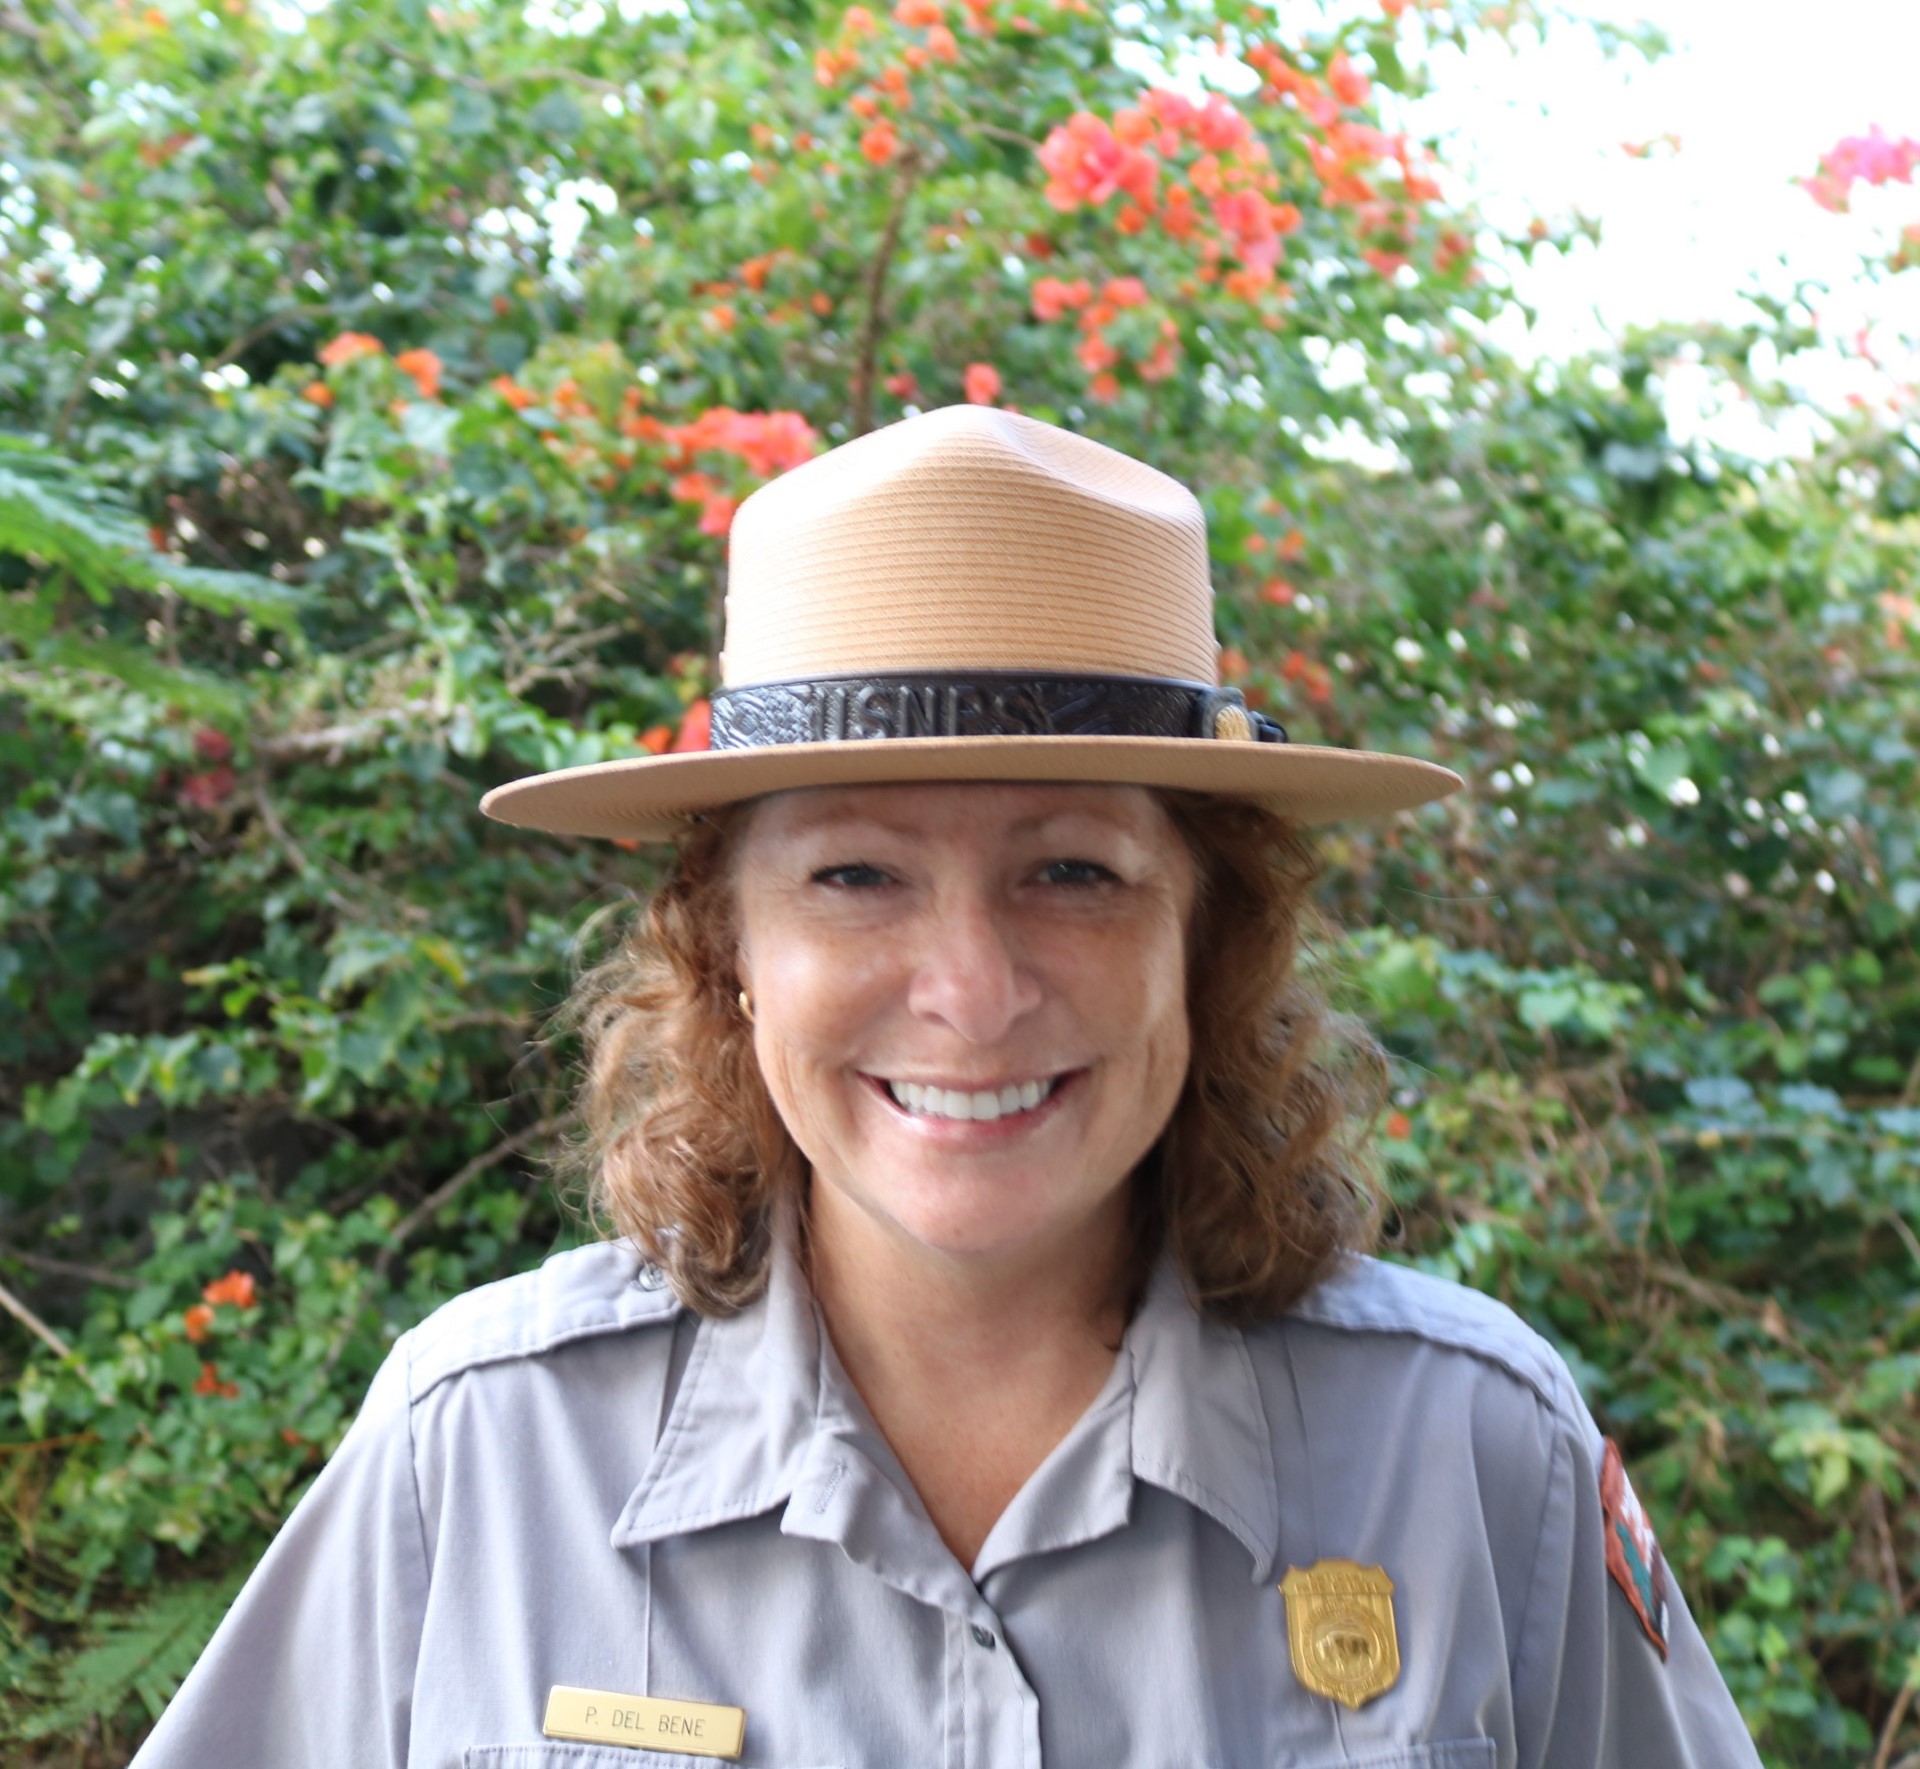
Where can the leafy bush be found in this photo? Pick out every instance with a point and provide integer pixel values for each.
(376, 396)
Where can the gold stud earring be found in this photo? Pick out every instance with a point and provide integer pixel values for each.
(745, 999)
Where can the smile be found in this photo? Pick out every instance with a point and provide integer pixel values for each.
(981, 1107)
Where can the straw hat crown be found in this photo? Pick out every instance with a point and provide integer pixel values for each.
(969, 595)
(970, 539)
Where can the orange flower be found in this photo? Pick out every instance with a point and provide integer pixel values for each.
(1277, 591)
(513, 393)
(903, 385)
(719, 318)
(857, 21)
(919, 12)
(317, 393)
(208, 1382)
(235, 1288)
(880, 142)
(1052, 297)
(1086, 163)
(864, 104)
(696, 729)
(422, 367)
(1161, 363)
(1096, 354)
(349, 345)
(656, 739)
(1292, 544)
(199, 1321)
(942, 44)
(1125, 291)
(983, 383)
(1399, 1127)
(1104, 388)
(716, 516)
(1349, 85)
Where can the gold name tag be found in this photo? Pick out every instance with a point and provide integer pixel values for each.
(693, 1728)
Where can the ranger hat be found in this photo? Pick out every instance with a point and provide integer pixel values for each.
(970, 595)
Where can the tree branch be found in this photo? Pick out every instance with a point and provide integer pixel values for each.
(437, 1199)
(33, 1323)
(866, 358)
(266, 328)
(68, 1268)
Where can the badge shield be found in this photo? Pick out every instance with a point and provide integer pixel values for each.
(1340, 1630)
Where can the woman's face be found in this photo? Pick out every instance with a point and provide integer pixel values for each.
(969, 1003)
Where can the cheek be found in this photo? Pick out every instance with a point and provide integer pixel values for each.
(817, 1003)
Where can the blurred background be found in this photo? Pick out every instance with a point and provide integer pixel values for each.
(377, 381)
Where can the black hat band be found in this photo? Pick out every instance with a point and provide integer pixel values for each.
(860, 709)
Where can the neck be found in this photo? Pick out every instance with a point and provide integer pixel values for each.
(973, 1367)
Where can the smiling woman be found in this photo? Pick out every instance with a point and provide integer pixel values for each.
(987, 1370)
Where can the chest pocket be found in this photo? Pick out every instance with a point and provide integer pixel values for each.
(596, 1756)
(1458, 1753)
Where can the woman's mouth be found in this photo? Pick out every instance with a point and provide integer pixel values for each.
(971, 1105)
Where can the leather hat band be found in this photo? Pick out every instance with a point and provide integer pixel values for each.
(858, 709)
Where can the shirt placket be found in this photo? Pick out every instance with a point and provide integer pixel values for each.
(996, 1710)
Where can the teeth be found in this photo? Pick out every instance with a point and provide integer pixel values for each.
(979, 1108)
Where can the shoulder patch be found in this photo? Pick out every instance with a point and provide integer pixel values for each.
(580, 1294)
(1372, 1296)
(1633, 1557)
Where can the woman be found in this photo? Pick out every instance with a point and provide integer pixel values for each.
(985, 1375)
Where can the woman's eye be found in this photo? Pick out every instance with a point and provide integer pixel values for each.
(1078, 872)
(857, 875)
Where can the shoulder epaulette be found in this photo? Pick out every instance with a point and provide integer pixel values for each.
(580, 1294)
(1374, 1296)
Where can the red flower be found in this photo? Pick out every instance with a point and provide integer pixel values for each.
(983, 383)
(696, 729)
(349, 345)
(1086, 163)
(212, 746)
(1052, 297)
(206, 791)
(208, 1382)
(880, 143)
(421, 367)
(235, 1288)
(1349, 85)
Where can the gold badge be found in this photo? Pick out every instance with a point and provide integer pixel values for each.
(689, 1728)
(1340, 1630)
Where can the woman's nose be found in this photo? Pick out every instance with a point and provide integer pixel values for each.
(972, 974)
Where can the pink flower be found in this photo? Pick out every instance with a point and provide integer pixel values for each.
(983, 383)
(1873, 158)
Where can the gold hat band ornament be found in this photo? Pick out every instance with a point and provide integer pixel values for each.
(970, 595)
(1340, 1630)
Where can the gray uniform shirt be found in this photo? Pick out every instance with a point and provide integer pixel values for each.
(565, 1478)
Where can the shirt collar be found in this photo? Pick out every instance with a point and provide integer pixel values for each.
(765, 1417)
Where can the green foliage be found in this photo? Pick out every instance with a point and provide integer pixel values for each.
(276, 606)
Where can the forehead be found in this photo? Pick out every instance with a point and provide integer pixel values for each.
(986, 810)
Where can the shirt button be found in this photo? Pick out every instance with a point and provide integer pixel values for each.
(981, 1637)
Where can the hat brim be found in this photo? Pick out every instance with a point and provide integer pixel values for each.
(650, 798)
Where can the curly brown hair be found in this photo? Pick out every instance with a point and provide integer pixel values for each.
(1257, 1187)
